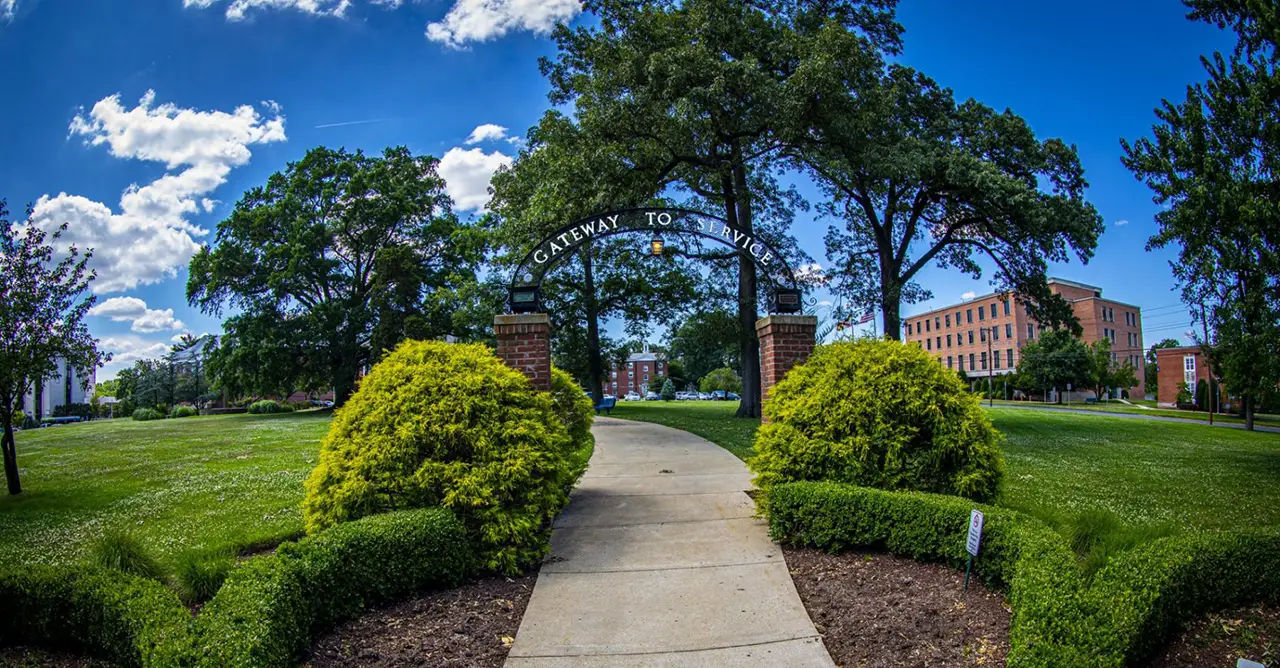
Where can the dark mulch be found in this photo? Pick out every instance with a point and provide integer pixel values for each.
(877, 610)
(1220, 639)
(26, 657)
(472, 625)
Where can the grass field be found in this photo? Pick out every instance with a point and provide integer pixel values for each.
(1149, 473)
(199, 482)
(1260, 419)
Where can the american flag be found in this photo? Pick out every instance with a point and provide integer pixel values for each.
(866, 317)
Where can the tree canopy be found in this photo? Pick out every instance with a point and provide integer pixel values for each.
(1212, 163)
(42, 309)
(337, 252)
(1055, 360)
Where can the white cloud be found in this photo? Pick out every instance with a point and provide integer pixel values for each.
(145, 320)
(7, 9)
(486, 132)
(811, 274)
(483, 20)
(968, 295)
(1121, 223)
(238, 9)
(466, 174)
(151, 236)
(127, 349)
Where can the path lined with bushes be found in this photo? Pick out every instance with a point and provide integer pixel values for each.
(658, 556)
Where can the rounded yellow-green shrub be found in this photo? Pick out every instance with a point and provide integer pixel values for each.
(572, 406)
(879, 414)
(439, 424)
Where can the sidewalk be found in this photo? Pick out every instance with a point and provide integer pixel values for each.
(658, 561)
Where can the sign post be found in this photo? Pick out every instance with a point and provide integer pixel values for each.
(972, 544)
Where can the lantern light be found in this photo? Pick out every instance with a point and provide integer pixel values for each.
(524, 299)
(655, 246)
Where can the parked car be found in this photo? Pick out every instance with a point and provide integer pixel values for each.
(704, 396)
(632, 396)
(652, 396)
(733, 396)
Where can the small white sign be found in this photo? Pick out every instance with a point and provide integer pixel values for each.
(975, 532)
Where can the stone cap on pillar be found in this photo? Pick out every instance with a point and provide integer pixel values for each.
(787, 322)
(522, 319)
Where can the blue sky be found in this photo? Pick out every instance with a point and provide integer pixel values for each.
(240, 87)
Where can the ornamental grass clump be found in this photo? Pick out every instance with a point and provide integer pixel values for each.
(438, 424)
(878, 414)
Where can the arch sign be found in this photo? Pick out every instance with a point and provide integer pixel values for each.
(526, 284)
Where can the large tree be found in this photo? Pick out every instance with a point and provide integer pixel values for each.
(1213, 163)
(332, 252)
(696, 94)
(918, 179)
(1106, 372)
(706, 340)
(42, 309)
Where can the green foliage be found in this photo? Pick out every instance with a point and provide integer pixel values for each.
(144, 414)
(406, 256)
(199, 574)
(1059, 620)
(268, 406)
(706, 340)
(183, 411)
(82, 411)
(572, 407)
(1184, 394)
(668, 392)
(1055, 360)
(269, 608)
(1152, 368)
(102, 613)
(449, 425)
(122, 551)
(721, 379)
(877, 413)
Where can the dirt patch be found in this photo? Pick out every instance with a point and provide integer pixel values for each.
(472, 625)
(1222, 638)
(27, 657)
(875, 610)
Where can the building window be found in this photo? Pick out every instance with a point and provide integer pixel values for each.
(971, 339)
(968, 313)
(1008, 330)
(982, 335)
(995, 359)
(948, 340)
(982, 313)
(631, 374)
(928, 344)
(1010, 357)
(984, 361)
(1031, 331)
(926, 325)
(1006, 307)
(917, 327)
(993, 310)
(995, 333)
(646, 378)
(958, 321)
(948, 320)
(615, 373)
(948, 361)
(971, 366)
(961, 358)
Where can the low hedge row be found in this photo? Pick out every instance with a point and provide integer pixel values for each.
(264, 615)
(1119, 618)
(103, 613)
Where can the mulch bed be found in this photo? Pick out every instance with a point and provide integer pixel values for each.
(877, 610)
(1221, 638)
(472, 625)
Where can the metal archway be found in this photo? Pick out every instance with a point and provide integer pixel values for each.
(524, 293)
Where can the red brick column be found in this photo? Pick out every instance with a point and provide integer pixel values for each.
(785, 341)
(524, 343)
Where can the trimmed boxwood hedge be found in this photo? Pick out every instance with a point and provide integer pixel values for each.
(102, 613)
(265, 614)
(1119, 618)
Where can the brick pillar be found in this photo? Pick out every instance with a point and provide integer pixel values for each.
(785, 341)
(524, 343)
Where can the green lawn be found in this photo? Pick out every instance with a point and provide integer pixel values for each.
(225, 481)
(1147, 472)
(1260, 419)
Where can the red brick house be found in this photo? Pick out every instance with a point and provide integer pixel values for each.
(1184, 364)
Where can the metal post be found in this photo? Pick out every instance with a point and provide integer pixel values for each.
(968, 567)
(991, 369)
(1205, 347)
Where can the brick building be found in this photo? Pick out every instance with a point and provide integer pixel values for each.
(636, 374)
(1185, 364)
(957, 335)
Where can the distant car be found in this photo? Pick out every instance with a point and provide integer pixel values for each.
(632, 396)
(652, 396)
(733, 396)
(704, 396)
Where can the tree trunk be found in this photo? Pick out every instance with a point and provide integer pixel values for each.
(1248, 413)
(889, 307)
(10, 447)
(738, 205)
(595, 365)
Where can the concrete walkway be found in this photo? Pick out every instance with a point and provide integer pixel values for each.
(658, 561)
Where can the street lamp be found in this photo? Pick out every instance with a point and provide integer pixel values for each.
(655, 246)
